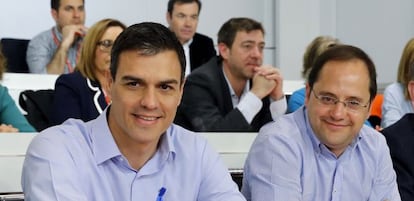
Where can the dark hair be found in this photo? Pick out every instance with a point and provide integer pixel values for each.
(55, 4)
(171, 4)
(229, 29)
(344, 53)
(148, 38)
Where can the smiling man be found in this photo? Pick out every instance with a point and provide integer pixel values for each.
(323, 151)
(55, 51)
(132, 151)
(182, 17)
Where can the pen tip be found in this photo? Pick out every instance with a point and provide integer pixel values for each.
(162, 191)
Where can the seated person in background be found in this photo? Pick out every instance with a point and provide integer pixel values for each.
(182, 17)
(55, 51)
(314, 49)
(400, 139)
(399, 96)
(84, 94)
(11, 119)
(323, 151)
(132, 151)
(233, 92)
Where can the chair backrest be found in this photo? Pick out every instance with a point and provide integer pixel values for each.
(15, 51)
(37, 105)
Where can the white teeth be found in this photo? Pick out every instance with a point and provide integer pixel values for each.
(148, 118)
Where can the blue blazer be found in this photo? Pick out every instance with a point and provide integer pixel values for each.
(77, 97)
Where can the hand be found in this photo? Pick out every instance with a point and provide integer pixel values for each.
(272, 73)
(70, 33)
(4, 128)
(262, 86)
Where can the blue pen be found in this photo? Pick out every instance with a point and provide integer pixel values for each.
(161, 194)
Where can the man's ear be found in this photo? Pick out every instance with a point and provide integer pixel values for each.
(54, 14)
(168, 18)
(224, 51)
(307, 94)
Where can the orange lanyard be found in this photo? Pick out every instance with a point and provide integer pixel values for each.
(68, 63)
(107, 98)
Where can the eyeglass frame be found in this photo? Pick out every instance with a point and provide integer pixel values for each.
(105, 45)
(335, 100)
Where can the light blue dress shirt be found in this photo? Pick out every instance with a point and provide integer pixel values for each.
(42, 48)
(81, 161)
(287, 162)
(395, 105)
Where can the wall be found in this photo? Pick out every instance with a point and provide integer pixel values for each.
(30, 17)
(379, 27)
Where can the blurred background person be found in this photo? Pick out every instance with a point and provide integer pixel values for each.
(11, 119)
(399, 96)
(182, 18)
(56, 50)
(83, 94)
(314, 49)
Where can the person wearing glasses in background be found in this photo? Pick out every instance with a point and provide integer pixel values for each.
(323, 150)
(83, 94)
(56, 50)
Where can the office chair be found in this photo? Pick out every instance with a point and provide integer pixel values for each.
(15, 51)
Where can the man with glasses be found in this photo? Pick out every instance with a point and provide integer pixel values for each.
(323, 151)
(56, 50)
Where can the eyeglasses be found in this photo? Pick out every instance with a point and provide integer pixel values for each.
(105, 45)
(353, 105)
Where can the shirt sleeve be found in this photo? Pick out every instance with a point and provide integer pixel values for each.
(272, 169)
(38, 56)
(249, 106)
(217, 184)
(296, 100)
(49, 172)
(391, 110)
(385, 185)
(278, 108)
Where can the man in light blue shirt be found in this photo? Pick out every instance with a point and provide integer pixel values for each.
(132, 151)
(323, 151)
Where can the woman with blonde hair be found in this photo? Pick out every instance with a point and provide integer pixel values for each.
(314, 49)
(11, 119)
(83, 94)
(399, 96)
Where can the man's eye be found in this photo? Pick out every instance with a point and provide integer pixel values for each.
(353, 103)
(328, 99)
(166, 87)
(132, 84)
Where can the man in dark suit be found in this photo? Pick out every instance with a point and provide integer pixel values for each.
(400, 139)
(233, 92)
(182, 17)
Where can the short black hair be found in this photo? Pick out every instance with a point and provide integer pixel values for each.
(55, 4)
(229, 29)
(171, 4)
(148, 38)
(344, 53)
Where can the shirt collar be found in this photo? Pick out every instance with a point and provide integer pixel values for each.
(316, 143)
(234, 98)
(105, 148)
